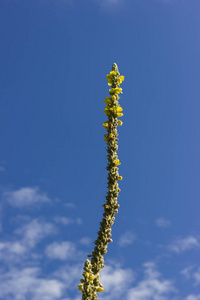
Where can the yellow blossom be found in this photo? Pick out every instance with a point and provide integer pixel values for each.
(120, 79)
(113, 98)
(119, 114)
(106, 125)
(100, 289)
(110, 76)
(80, 287)
(115, 91)
(119, 177)
(120, 122)
(107, 100)
(86, 274)
(91, 277)
(119, 108)
(107, 111)
(117, 162)
(113, 73)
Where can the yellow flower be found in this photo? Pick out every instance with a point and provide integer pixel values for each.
(120, 79)
(80, 287)
(107, 111)
(107, 100)
(100, 289)
(120, 122)
(120, 114)
(110, 77)
(113, 73)
(120, 178)
(113, 98)
(115, 91)
(86, 274)
(119, 108)
(106, 125)
(117, 162)
(91, 277)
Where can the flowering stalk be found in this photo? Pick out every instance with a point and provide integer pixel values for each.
(90, 284)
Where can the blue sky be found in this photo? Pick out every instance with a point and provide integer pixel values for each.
(54, 59)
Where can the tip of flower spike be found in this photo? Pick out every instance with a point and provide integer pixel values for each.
(114, 67)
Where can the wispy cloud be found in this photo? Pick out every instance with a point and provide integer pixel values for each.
(187, 272)
(63, 251)
(193, 297)
(25, 196)
(67, 221)
(184, 244)
(85, 241)
(197, 276)
(162, 222)
(153, 286)
(27, 283)
(24, 240)
(34, 231)
(126, 239)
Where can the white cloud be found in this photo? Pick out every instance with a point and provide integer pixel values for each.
(67, 221)
(70, 205)
(26, 237)
(197, 276)
(193, 297)
(70, 275)
(162, 222)
(85, 241)
(116, 280)
(184, 244)
(25, 197)
(27, 283)
(63, 251)
(126, 239)
(187, 272)
(12, 252)
(34, 231)
(152, 286)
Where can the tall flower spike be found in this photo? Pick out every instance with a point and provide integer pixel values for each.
(90, 284)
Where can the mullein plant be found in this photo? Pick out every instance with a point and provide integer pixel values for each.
(90, 283)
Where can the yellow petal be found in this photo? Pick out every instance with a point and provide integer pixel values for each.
(117, 162)
(80, 287)
(106, 124)
(100, 289)
(120, 114)
(113, 98)
(119, 108)
(115, 91)
(107, 100)
(120, 79)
